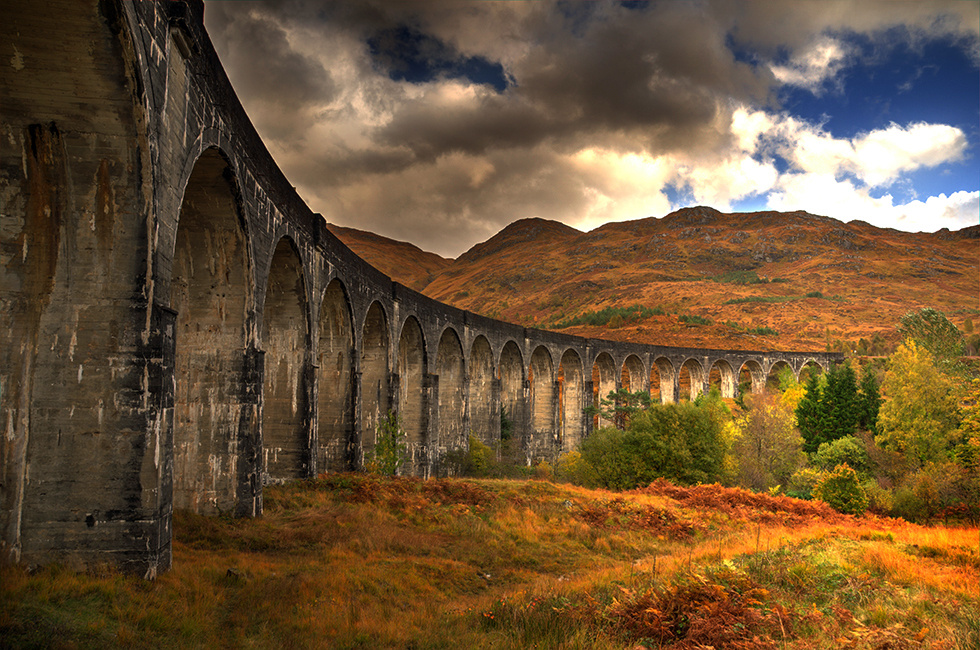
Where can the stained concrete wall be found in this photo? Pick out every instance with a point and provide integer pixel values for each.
(178, 329)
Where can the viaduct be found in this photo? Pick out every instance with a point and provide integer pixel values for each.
(178, 329)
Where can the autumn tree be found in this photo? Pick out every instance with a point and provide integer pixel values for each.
(920, 416)
(930, 329)
(767, 447)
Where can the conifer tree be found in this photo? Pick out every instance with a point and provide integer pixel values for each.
(869, 402)
(808, 416)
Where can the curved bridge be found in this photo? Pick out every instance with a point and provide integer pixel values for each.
(179, 329)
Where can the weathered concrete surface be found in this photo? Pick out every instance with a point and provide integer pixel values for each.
(177, 328)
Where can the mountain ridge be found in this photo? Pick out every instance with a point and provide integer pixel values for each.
(764, 280)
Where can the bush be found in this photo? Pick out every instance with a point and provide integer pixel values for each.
(880, 500)
(680, 442)
(848, 450)
(803, 482)
(390, 449)
(571, 467)
(842, 491)
(481, 460)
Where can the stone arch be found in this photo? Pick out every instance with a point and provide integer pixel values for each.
(285, 340)
(691, 379)
(375, 390)
(751, 377)
(450, 367)
(484, 420)
(510, 369)
(603, 383)
(632, 377)
(809, 366)
(211, 292)
(571, 402)
(412, 371)
(541, 378)
(335, 393)
(662, 380)
(722, 375)
(772, 377)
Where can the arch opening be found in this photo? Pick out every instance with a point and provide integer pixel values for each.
(541, 378)
(451, 369)
(512, 402)
(662, 380)
(484, 421)
(571, 405)
(375, 391)
(751, 378)
(285, 413)
(603, 383)
(210, 290)
(773, 379)
(722, 377)
(335, 406)
(691, 379)
(411, 378)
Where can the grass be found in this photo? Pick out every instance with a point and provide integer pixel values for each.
(356, 561)
(612, 316)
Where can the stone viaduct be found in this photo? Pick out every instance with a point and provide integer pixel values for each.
(179, 329)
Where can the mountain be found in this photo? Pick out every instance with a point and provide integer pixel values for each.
(402, 261)
(760, 280)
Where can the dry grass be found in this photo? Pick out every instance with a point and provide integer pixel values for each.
(354, 561)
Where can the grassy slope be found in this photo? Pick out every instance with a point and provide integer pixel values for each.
(401, 261)
(357, 561)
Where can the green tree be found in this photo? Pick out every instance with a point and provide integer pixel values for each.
(869, 401)
(848, 451)
(808, 414)
(930, 329)
(681, 442)
(839, 403)
(920, 415)
(390, 448)
(841, 490)
(767, 447)
(620, 406)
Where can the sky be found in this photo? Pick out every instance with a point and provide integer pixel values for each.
(439, 123)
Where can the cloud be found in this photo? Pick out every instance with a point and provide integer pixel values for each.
(812, 67)
(441, 124)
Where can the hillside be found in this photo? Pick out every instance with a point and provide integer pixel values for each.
(401, 261)
(812, 280)
(355, 561)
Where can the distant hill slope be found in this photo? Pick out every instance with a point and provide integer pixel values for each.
(809, 279)
(403, 262)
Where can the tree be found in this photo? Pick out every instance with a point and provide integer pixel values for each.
(920, 415)
(839, 403)
(620, 406)
(869, 401)
(390, 448)
(808, 412)
(841, 490)
(930, 329)
(829, 408)
(768, 448)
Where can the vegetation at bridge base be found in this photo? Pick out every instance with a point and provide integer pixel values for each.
(369, 561)
(906, 431)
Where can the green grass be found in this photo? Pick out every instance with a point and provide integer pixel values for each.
(613, 316)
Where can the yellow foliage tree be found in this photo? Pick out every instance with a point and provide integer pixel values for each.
(920, 415)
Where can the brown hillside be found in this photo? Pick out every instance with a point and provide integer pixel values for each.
(401, 261)
(861, 279)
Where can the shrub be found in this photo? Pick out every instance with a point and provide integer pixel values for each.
(480, 459)
(841, 490)
(390, 449)
(848, 451)
(571, 467)
(803, 482)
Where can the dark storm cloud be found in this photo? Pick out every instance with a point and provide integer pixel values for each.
(442, 122)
